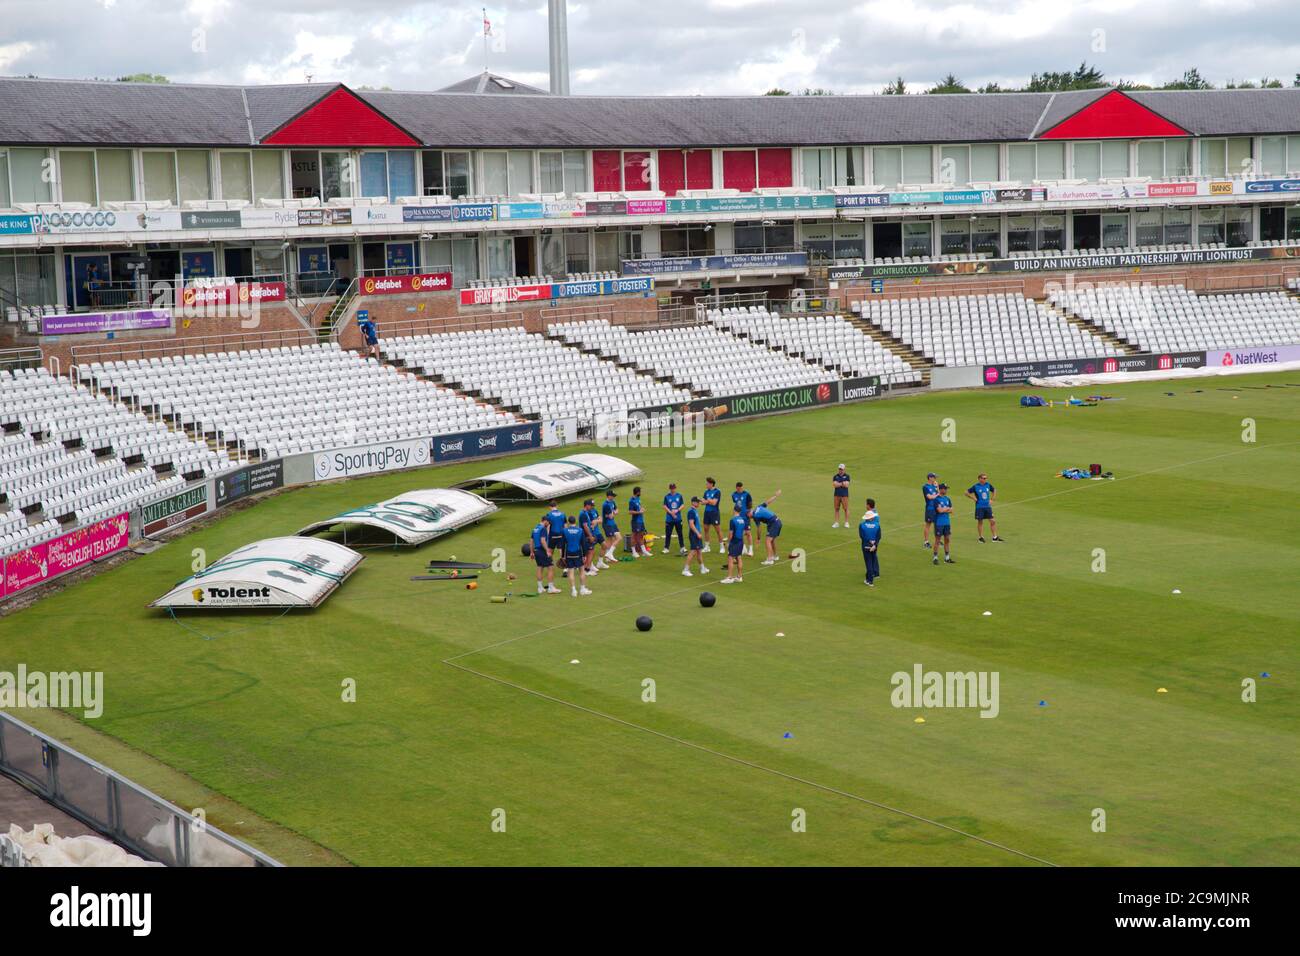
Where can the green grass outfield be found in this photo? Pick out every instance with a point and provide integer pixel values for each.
(465, 706)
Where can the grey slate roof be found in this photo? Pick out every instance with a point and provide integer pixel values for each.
(101, 112)
(494, 83)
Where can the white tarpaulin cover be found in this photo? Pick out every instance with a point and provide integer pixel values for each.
(556, 479)
(415, 516)
(1119, 378)
(274, 572)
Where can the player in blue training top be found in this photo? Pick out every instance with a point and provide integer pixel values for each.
(673, 502)
(737, 528)
(840, 482)
(929, 491)
(695, 533)
(609, 523)
(589, 524)
(745, 501)
(542, 558)
(573, 557)
(555, 527)
(982, 493)
(943, 524)
(639, 550)
(869, 533)
(764, 515)
(712, 514)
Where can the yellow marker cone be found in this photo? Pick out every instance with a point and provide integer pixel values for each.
(1161, 690)
(919, 720)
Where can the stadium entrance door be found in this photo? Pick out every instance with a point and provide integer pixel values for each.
(886, 239)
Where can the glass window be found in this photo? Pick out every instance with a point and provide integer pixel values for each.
(550, 171)
(27, 173)
(431, 172)
(1239, 156)
(159, 175)
(984, 165)
(401, 174)
(1213, 157)
(551, 250)
(521, 171)
(456, 167)
(954, 236)
(374, 174)
(500, 257)
(1114, 230)
(850, 240)
(1149, 227)
(1178, 226)
(1020, 233)
(986, 235)
(818, 166)
(1293, 154)
(954, 167)
(918, 164)
(1087, 161)
(1178, 157)
(1051, 232)
(577, 250)
(1151, 158)
(1051, 160)
(1210, 228)
(1022, 165)
(1240, 221)
(5, 201)
(193, 172)
(629, 244)
(886, 166)
(575, 171)
(77, 176)
(848, 166)
(1293, 222)
(268, 174)
(747, 237)
(606, 251)
(337, 176)
(236, 175)
(1272, 155)
(113, 175)
(464, 260)
(916, 238)
(496, 175)
(1114, 159)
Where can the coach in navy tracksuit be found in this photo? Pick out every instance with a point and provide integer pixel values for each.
(869, 532)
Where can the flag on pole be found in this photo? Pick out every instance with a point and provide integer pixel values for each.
(487, 24)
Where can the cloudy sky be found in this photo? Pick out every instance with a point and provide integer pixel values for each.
(651, 46)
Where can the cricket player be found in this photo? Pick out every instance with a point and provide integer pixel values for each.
(555, 527)
(869, 534)
(943, 524)
(673, 502)
(764, 515)
(586, 519)
(742, 498)
(840, 482)
(738, 528)
(639, 550)
(696, 534)
(712, 513)
(542, 558)
(609, 523)
(983, 494)
(573, 557)
(929, 491)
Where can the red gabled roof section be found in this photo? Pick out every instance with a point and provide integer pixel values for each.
(1114, 116)
(340, 118)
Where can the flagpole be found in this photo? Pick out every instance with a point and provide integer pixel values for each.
(485, 40)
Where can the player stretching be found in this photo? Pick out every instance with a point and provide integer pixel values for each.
(841, 482)
(542, 558)
(609, 521)
(943, 524)
(673, 502)
(869, 533)
(736, 547)
(745, 502)
(982, 493)
(712, 514)
(573, 557)
(697, 542)
(767, 518)
(929, 491)
(639, 550)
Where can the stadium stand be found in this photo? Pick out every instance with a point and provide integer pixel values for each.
(287, 400)
(830, 340)
(702, 358)
(1161, 318)
(975, 329)
(79, 457)
(539, 376)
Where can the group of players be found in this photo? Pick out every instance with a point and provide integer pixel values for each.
(586, 543)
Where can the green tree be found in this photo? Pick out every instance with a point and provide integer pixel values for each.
(1190, 80)
(896, 87)
(777, 91)
(949, 84)
(143, 78)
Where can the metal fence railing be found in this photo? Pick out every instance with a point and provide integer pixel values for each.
(113, 806)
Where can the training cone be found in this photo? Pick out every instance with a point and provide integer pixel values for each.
(644, 623)
(919, 720)
(472, 586)
(1161, 690)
